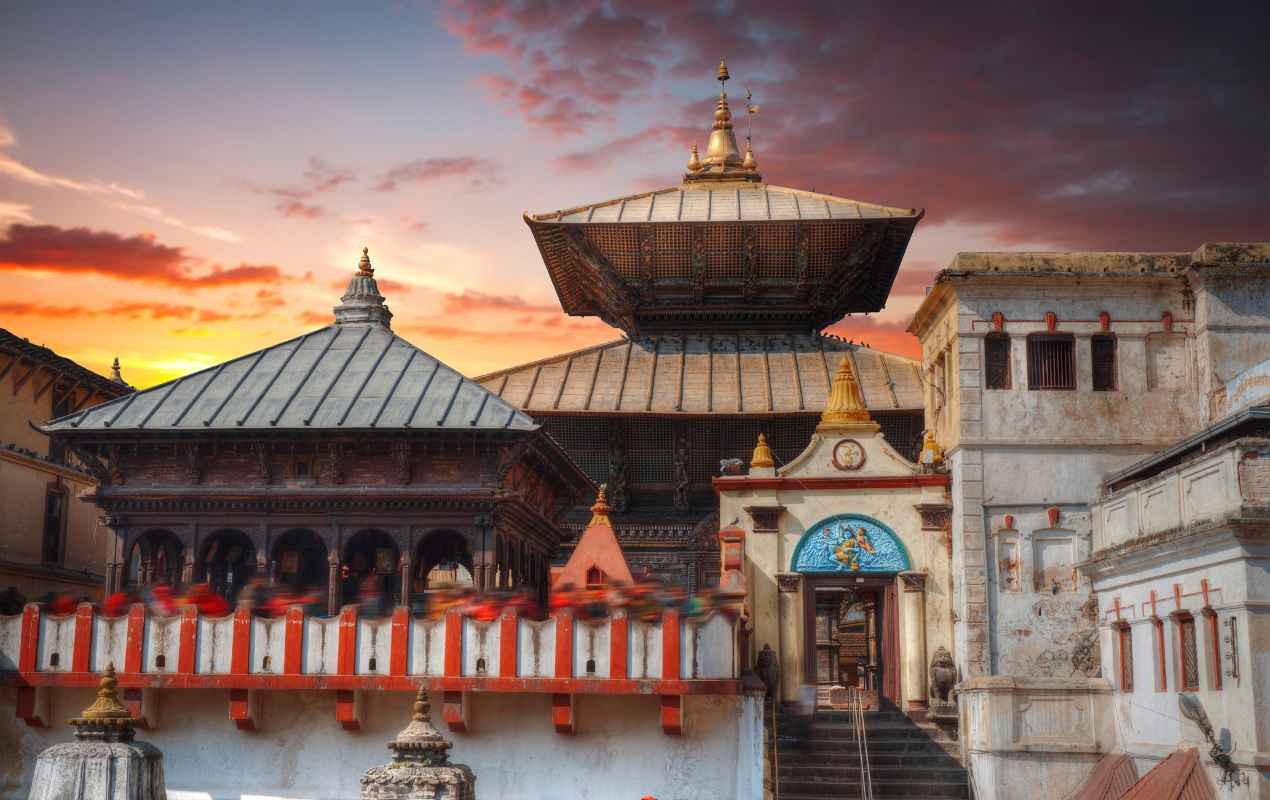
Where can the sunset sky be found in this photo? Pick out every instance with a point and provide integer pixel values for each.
(182, 186)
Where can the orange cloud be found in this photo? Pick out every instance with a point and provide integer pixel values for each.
(471, 300)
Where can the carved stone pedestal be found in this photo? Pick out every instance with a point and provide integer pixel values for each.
(420, 768)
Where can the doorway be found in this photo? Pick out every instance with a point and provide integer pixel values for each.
(851, 638)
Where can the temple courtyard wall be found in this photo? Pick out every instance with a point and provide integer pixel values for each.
(300, 752)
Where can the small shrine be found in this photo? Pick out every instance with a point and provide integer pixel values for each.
(598, 558)
(420, 768)
(104, 761)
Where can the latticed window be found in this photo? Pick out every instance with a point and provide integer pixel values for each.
(1103, 352)
(1051, 362)
(1188, 651)
(1124, 638)
(54, 521)
(996, 360)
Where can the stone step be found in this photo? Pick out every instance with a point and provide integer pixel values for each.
(904, 788)
(791, 760)
(874, 745)
(837, 773)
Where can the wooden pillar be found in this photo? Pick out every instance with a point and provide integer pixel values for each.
(404, 570)
(913, 620)
(332, 582)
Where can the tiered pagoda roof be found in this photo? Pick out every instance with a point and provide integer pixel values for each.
(724, 251)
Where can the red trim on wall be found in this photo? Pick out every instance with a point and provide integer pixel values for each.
(346, 710)
(135, 641)
(293, 642)
(563, 714)
(346, 659)
(1214, 647)
(82, 655)
(670, 645)
(453, 665)
(672, 714)
(619, 647)
(399, 645)
(735, 484)
(240, 649)
(508, 635)
(240, 709)
(29, 647)
(187, 641)
(564, 644)
(454, 711)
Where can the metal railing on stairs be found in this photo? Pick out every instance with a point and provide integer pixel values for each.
(855, 706)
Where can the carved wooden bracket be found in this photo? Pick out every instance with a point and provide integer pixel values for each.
(243, 708)
(935, 516)
(672, 714)
(456, 711)
(349, 708)
(788, 581)
(913, 581)
(564, 713)
(767, 519)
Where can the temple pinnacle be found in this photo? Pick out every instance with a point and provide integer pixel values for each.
(600, 511)
(845, 410)
(115, 374)
(363, 266)
(723, 70)
(694, 161)
(762, 456)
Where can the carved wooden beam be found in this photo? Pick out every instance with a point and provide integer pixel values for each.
(608, 292)
(25, 377)
(40, 392)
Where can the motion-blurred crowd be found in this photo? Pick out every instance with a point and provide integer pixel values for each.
(644, 601)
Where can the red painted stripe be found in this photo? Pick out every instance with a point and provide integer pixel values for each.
(293, 642)
(346, 710)
(562, 714)
(454, 711)
(508, 633)
(346, 661)
(82, 655)
(134, 643)
(240, 709)
(564, 644)
(29, 647)
(399, 646)
(670, 645)
(404, 683)
(742, 484)
(619, 647)
(672, 715)
(240, 649)
(453, 664)
(187, 644)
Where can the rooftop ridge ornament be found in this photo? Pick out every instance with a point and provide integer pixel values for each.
(762, 456)
(600, 511)
(106, 719)
(115, 374)
(362, 302)
(723, 160)
(845, 411)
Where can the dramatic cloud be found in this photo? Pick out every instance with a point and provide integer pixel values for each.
(136, 258)
(319, 177)
(471, 300)
(477, 172)
(133, 311)
(604, 154)
(889, 337)
(1048, 123)
(913, 279)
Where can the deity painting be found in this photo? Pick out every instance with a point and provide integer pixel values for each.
(290, 563)
(850, 543)
(385, 560)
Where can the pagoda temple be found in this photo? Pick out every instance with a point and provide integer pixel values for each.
(721, 286)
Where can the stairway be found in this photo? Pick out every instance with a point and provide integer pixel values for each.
(905, 759)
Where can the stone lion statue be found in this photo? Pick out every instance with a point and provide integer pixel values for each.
(943, 674)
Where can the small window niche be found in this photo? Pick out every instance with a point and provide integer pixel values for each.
(1009, 563)
(1054, 562)
(1102, 350)
(1124, 655)
(996, 361)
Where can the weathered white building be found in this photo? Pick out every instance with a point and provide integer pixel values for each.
(1046, 373)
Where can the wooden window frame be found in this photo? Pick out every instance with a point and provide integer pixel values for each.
(1124, 646)
(54, 488)
(1115, 362)
(1184, 621)
(1004, 339)
(1214, 647)
(1033, 367)
(1161, 655)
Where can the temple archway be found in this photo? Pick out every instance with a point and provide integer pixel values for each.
(155, 557)
(371, 558)
(299, 561)
(442, 558)
(227, 561)
(850, 543)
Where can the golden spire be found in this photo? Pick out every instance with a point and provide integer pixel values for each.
(845, 410)
(363, 266)
(694, 162)
(762, 454)
(723, 70)
(749, 162)
(106, 718)
(600, 511)
(722, 160)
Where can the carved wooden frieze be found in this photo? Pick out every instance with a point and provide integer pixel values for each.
(767, 519)
(619, 477)
(192, 459)
(749, 262)
(802, 261)
(401, 453)
(333, 463)
(913, 581)
(700, 263)
(683, 483)
(262, 452)
(647, 261)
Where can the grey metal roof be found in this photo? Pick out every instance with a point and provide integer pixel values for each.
(343, 376)
(721, 203)
(706, 374)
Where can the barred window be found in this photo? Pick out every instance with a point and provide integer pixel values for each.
(1124, 637)
(1103, 354)
(996, 357)
(1051, 362)
(1189, 652)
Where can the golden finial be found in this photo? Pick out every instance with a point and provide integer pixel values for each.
(749, 162)
(932, 454)
(845, 410)
(115, 374)
(600, 511)
(363, 266)
(723, 70)
(694, 162)
(762, 454)
(106, 712)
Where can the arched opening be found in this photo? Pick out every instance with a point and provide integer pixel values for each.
(227, 562)
(369, 574)
(442, 559)
(299, 561)
(157, 556)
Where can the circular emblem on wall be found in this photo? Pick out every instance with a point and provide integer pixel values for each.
(848, 455)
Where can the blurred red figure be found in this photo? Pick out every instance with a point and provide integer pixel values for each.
(61, 604)
(118, 604)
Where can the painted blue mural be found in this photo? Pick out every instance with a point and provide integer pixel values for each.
(850, 543)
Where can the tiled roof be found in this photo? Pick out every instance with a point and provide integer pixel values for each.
(345, 376)
(744, 203)
(706, 374)
(16, 345)
(1178, 777)
(1113, 776)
